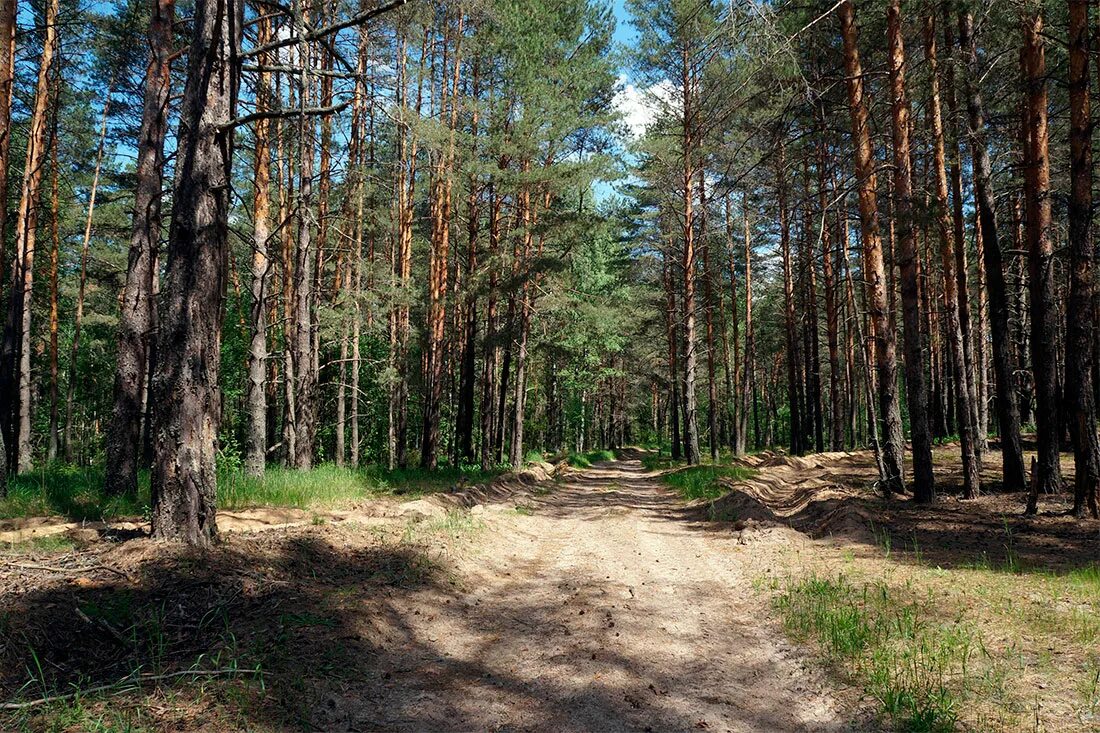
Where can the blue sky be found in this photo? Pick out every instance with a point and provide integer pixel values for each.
(624, 31)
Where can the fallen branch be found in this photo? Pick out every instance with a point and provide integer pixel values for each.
(55, 569)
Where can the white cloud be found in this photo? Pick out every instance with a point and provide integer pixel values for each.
(639, 106)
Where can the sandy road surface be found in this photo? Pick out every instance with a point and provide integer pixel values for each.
(602, 607)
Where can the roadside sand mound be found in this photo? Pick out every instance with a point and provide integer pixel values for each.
(796, 492)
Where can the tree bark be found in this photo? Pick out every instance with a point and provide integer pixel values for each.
(7, 83)
(708, 301)
(952, 297)
(303, 350)
(688, 146)
(794, 357)
(465, 420)
(137, 316)
(1044, 311)
(185, 384)
(17, 337)
(673, 337)
(255, 457)
(892, 448)
(1080, 310)
(55, 254)
(924, 489)
(439, 262)
(1008, 413)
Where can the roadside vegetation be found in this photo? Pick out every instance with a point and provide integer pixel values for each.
(77, 492)
(586, 459)
(990, 644)
(706, 481)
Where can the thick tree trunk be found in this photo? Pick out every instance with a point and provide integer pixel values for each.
(303, 352)
(836, 425)
(739, 378)
(1008, 414)
(916, 389)
(952, 297)
(893, 477)
(1044, 310)
(185, 385)
(962, 269)
(1080, 341)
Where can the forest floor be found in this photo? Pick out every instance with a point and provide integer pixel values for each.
(593, 600)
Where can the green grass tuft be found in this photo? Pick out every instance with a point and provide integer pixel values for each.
(911, 665)
(585, 460)
(705, 482)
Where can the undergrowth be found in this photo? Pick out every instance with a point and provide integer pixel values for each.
(77, 492)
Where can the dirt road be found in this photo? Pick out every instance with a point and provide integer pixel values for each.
(598, 606)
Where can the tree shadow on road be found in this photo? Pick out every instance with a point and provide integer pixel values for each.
(322, 629)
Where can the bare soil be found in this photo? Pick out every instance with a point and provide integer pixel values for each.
(594, 602)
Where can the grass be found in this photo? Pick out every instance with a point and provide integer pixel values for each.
(913, 667)
(706, 482)
(585, 460)
(77, 492)
(994, 646)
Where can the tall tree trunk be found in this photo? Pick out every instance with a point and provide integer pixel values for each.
(528, 221)
(813, 326)
(439, 261)
(794, 402)
(750, 336)
(255, 457)
(672, 334)
(874, 268)
(7, 83)
(303, 352)
(55, 254)
(952, 296)
(836, 425)
(916, 390)
(1080, 342)
(185, 385)
(465, 419)
(17, 337)
(708, 301)
(1008, 413)
(962, 269)
(490, 383)
(688, 146)
(78, 319)
(1044, 311)
(739, 378)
